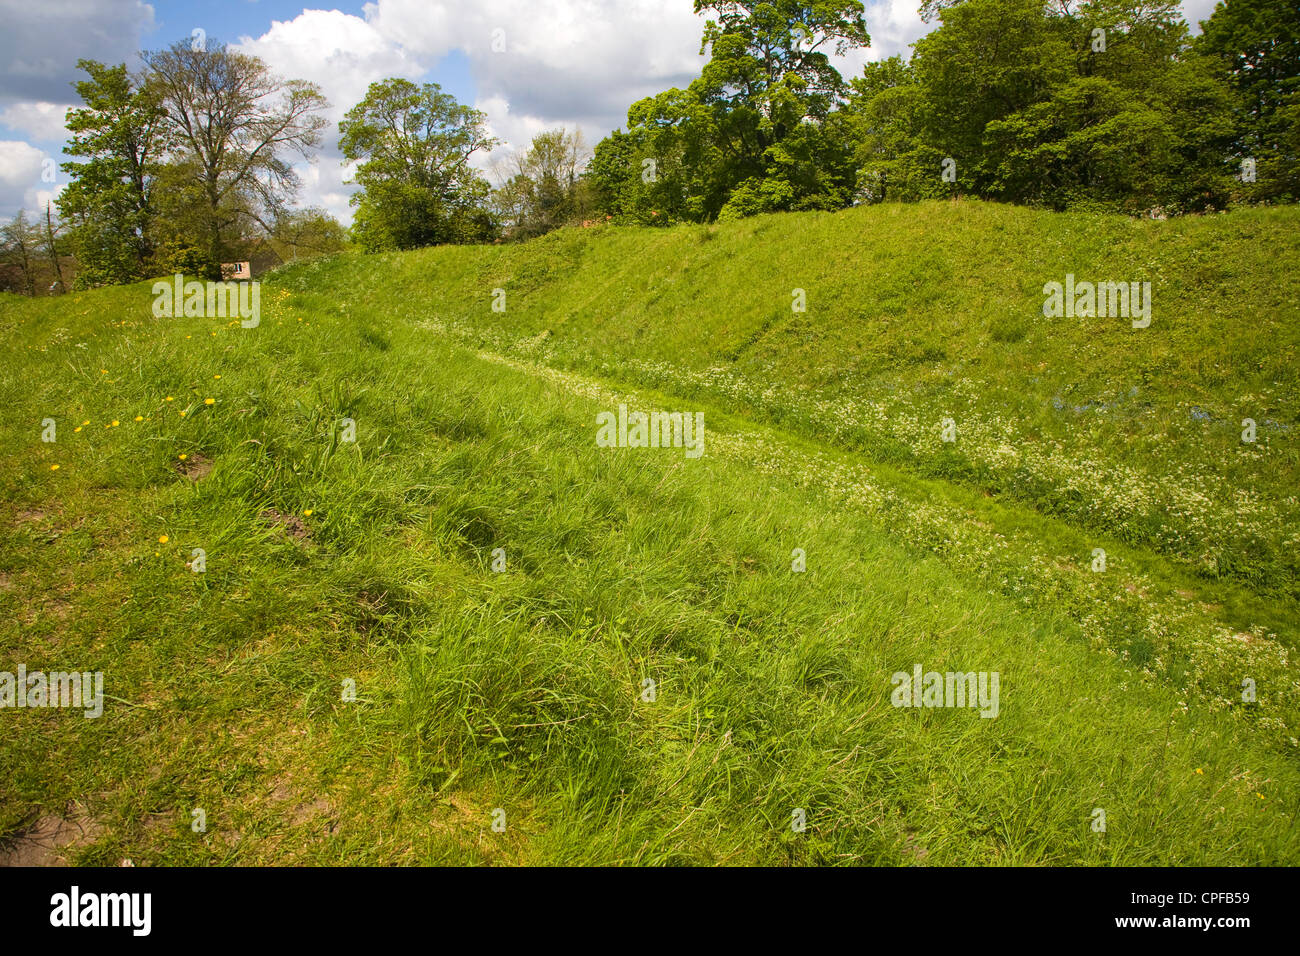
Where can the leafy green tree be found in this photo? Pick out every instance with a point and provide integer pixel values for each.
(235, 126)
(1256, 45)
(109, 203)
(883, 112)
(20, 243)
(1100, 106)
(304, 233)
(413, 146)
(544, 189)
(755, 132)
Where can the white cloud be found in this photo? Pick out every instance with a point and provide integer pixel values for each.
(1194, 11)
(894, 26)
(323, 187)
(22, 186)
(575, 61)
(341, 53)
(40, 121)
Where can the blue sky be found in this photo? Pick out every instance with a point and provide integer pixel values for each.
(530, 65)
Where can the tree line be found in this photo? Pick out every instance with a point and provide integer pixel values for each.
(1107, 105)
(1103, 105)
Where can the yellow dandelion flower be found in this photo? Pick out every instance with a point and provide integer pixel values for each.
(139, 418)
(86, 422)
(209, 401)
(183, 457)
(162, 539)
(54, 467)
(307, 513)
(115, 423)
(182, 413)
(216, 376)
(77, 429)
(169, 398)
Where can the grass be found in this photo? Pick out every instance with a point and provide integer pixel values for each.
(524, 691)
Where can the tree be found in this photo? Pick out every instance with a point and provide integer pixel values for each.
(235, 125)
(413, 146)
(1099, 105)
(883, 111)
(1256, 47)
(755, 132)
(304, 233)
(109, 202)
(19, 247)
(50, 238)
(544, 189)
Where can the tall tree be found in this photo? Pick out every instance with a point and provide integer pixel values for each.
(50, 236)
(108, 204)
(544, 188)
(1256, 44)
(413, 146)
(304, 233)
(756, 131)
(19, 247)
(1064, 105)
(236, 126)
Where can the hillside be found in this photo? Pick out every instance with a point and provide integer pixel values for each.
(524, 690)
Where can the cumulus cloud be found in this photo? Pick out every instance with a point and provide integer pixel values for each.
(577, 61)
(341, 53)
(40, 121)
(23, 178)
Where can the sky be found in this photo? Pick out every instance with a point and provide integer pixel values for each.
(529, 65)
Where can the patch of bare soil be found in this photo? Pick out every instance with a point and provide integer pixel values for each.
(46, 843)
(195, 467)
(292, 524)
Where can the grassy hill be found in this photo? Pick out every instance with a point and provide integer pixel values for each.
(525, 691)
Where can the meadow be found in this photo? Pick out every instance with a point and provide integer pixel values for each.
(563, 653)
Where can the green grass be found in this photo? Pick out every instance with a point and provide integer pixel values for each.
(523, 691)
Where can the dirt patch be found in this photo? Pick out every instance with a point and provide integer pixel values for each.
(297, 810)
(913, 849)
(57, 608)
(29, 516)
(48, 841)
(195, 467)
(292, 524)
(308, 811)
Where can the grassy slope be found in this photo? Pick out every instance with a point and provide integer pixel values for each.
(521, 690)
